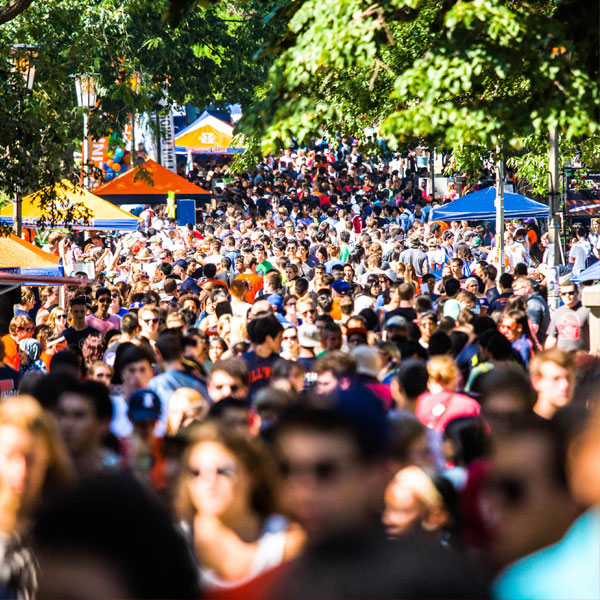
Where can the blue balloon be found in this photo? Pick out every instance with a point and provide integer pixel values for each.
(119, 153)
(110, 176)
(116, 159)
(109, 171)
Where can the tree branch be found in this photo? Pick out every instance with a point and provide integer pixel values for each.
(13, 9)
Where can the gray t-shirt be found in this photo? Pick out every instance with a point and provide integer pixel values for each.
(539, 313)
(417, 258)
(571, 327)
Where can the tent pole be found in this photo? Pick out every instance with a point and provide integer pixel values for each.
(500, 210)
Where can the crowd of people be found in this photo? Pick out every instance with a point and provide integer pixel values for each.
(316, 391)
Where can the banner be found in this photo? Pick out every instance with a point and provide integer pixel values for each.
(583, 194)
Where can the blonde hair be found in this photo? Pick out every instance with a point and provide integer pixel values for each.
(443, 370)
(238, 331)
(555, 355)
(193, 401)
(420, 484)
(26, 413)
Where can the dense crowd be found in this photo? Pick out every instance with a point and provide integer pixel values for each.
(317, 391)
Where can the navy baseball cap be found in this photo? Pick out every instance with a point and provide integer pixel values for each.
(181, 263)
(276, 301)
(340, 286)
(144, 405)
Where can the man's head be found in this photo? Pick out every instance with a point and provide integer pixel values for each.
(526, 499)
(103, 300)
(552, 375)
(265, 329)
(330, 463)
(84, 413)
(79, 310)
(133, 367)
(149, 322)
(523, 287)
(569, 294)
(331, 337)
(229, 378)
(335, 370)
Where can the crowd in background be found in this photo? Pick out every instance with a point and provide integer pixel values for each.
(317, 391)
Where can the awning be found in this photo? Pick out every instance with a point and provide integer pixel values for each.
(206, 135)
(104, 215)
(480, 206)
(19, 257)
(151, 187)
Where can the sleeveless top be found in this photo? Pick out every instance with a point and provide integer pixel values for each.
(269, 554)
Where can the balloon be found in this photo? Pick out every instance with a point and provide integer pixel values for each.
(116, 167)
(110, 171)
(110, 153)
(119, 153)
(109, 164)
(117, 159)
(110, 176)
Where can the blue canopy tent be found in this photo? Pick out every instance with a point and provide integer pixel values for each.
(590, 274)
(479, 206)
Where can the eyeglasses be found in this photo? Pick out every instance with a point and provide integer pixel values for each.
(148, 321)
(63, 316)
(114, 295)
(28, 329)
(569, 293)
(290, 337)
(105, 300)
(312, 311)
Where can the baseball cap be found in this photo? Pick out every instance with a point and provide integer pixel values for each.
(144, 405)
(355, 331)
(181, 263)
(276, 301)
(397, 321)
(447, 234)
(340, 286)
(367, 360)
(308, 336)
(477, 241)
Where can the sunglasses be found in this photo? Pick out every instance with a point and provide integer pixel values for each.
(571, 293)
(290, 337)
(323, 470)
(148, 321)
(309, 312)
(26, 328)
(63, 316)
(105, 300)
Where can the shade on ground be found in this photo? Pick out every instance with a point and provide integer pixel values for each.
(103, 215)
(19, 256)
(480, 206)
(149, 187)
(206, 135)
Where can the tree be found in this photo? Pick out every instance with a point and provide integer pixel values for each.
(484, 72)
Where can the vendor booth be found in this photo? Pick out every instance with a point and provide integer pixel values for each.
(206, 135)
(480, 206)
(20, 257)
(103, 214)
(152, 186)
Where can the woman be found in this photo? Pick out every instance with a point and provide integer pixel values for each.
(476, 286)
(410, 276)
(216, 347)
(437, 407)
(290, 348)
(101, 372)
(225, 502)
(33, 466)
(427, 325)
(186, 406)
(57, 320)
(30, 352)
(515, 328)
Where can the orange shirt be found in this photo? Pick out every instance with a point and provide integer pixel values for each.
(336, 311)
(255, 284)
(11, 354)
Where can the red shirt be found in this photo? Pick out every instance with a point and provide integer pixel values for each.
(437, 410)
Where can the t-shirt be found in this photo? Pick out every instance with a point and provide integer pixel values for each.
(255, 284)
(417, 258)
(500, 302)
(9, 380)
(263, 267)
(408, 313)
(78, 337)
(571, 327)
(539, 313)
(103, 325)
(260, 369)
(578, 255)
(437, 410)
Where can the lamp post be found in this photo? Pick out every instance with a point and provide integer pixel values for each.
(86, 86)
(23, 59)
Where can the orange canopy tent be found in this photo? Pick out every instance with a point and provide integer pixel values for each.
(19, 256)
(149, 187)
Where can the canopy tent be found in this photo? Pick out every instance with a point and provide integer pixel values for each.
(206, 135)
(590, 274)
(480, 206)
(20, 257)
(103, 214)
(151, 187)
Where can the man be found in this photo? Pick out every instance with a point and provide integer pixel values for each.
(84, 413)
(334, 371)
(569, 326)
(406, 300)
(149, 322)
(525, 497)
(170, 351)
(229, 379)
(505, 282)
(538, 313)
(103, 321)
(264, 333)
(79, 330)
(580, 250)
(250, 275)
(552, 374)
(133, 369)
(307, 311)
(331, 337)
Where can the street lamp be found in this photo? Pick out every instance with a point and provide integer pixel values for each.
(23, 59)
(86, 86)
